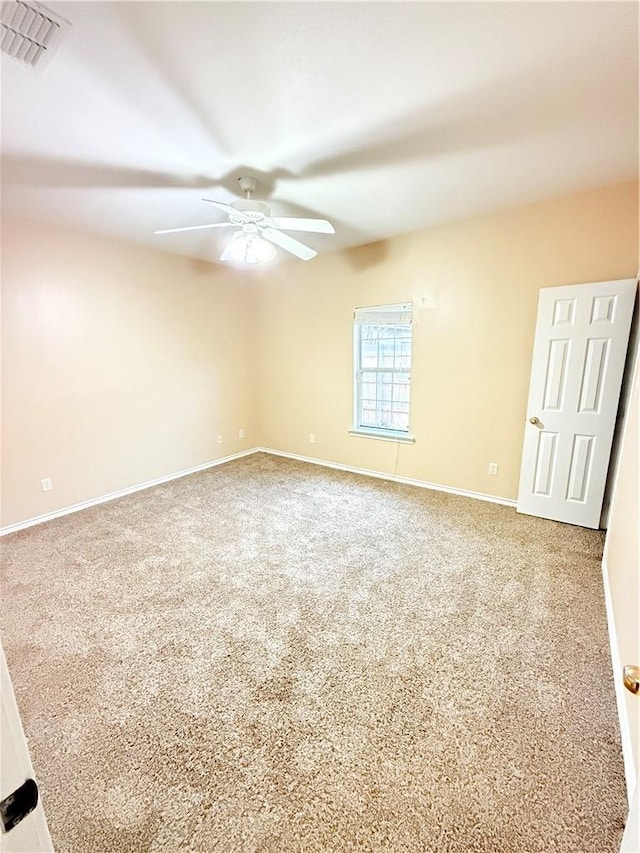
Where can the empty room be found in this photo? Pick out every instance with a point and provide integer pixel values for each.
(319, 523)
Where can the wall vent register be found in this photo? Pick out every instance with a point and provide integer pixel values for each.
(29, 31)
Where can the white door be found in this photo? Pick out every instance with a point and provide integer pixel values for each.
(31, 835)
(579, 353)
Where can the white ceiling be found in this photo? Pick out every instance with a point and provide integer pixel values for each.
(382, 117)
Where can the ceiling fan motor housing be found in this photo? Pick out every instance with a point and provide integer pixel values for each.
(255, 211)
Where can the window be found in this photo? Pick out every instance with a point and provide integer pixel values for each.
(382, 360)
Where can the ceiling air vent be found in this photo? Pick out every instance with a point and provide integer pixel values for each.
(29, 30)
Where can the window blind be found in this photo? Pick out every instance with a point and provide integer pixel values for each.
(384, 315)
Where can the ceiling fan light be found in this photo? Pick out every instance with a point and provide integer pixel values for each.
(236, 248)
(248, 248)
(259, 250)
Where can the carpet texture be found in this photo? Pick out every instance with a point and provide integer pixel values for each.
(273, 656)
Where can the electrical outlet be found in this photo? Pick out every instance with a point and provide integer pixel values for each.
(240, 433)
(493, 469)
(46, 484)
(219, 439)
(312, 438)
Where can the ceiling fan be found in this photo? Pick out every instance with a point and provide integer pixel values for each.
(259, 231)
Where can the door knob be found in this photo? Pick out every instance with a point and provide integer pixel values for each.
(534, 421)
(631, 678)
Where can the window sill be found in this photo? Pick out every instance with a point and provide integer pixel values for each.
(384, 435)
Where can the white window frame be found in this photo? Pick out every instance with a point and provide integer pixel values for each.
(383, 315)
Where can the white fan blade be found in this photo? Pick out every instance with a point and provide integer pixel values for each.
(195, 227)
(289, 243)
(293, 223)
(228, 208)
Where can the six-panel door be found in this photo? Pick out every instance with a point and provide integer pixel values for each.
(579, 354)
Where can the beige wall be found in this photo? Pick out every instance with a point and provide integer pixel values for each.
(120, 365)
(474, 286)
(621, 557)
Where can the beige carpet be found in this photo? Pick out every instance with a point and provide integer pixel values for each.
(272, 656)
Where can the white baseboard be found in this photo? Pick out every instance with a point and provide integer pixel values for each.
(616, 663)
(49, 516)
(408, 481)
(58, 513)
